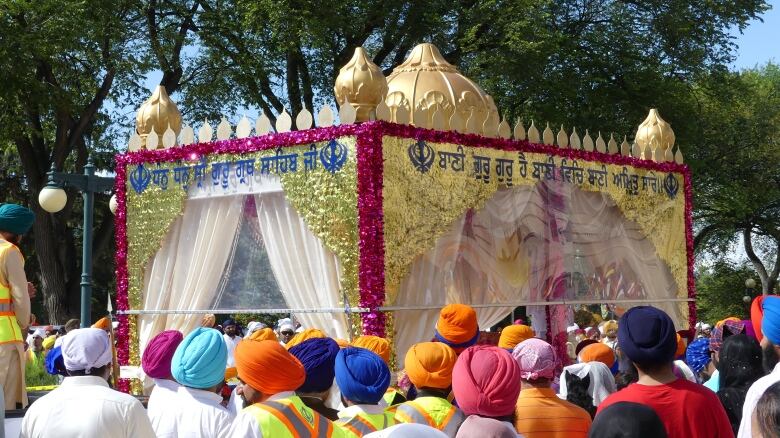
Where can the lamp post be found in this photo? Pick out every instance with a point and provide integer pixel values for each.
(750, 284)
(53, 198)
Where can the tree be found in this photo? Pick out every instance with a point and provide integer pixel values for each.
(720, 289)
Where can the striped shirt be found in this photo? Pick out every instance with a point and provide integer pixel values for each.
(541, 414)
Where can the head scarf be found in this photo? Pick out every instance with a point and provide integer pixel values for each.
(318, 356)
(602, 383)
(200, 359)
(457, 326)
(267, 367)
(698, 354)
(208, 320)
(304, 335)
(723, 331)
(380, 346)
(476, 426)
(362, 376)
(103, 323)
(486, 381)
(770, 324)
(582, 344)
(264, 334)
(16, 219)
(86, 349)
(756, 314)
(646, 335)
(536, 359)
(49, 342)
(627, 420)
(54, 362)
(599, 352)
(430, 364)
(572, 328)
(513, 335)
(156, 360)
(407, 430)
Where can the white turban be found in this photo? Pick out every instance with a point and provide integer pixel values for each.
(86, 349)
(407, 430)
(252, 327)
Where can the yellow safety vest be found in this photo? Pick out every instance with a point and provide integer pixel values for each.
(290, 418)
(363, 424)
(9, 326)
(431, 411)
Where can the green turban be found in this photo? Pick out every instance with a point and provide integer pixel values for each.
(16, 219)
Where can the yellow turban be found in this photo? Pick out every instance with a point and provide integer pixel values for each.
(48, 343)
(265, 334)
(304, 335)
(430, 365)
(208, 320)
(102, 323)
(723, 321)
(514, 334)
(380, 346)
(231, 373)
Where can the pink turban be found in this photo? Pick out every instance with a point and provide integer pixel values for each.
(535, 358)
(156, 360)
(486, 381)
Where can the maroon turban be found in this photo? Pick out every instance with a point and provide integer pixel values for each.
(156, 360)
(486, 381)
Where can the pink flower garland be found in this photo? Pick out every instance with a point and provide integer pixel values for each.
(370, 210)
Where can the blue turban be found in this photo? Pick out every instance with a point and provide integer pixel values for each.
(770, 323)
(16, 219)
(362, 376)
(697, 356)
(229, 322)
(200, 359)
(318, 356)
(646, 335)
(54, 362)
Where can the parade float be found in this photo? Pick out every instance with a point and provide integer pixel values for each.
(420, 196)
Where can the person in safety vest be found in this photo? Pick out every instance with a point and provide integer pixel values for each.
(15, 291)
(363, 378)
(429, 366)
(318, 356)
(381, 346)
(269, 375)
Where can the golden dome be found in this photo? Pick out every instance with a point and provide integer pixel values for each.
(362, 83)
(426, 82)
(159, 111)
(656, 133)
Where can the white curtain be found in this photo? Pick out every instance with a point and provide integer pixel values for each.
(308, 273)
(185, 273)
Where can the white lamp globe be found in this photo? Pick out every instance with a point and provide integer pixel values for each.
(750, 283)
(52, 199)
(112, 204)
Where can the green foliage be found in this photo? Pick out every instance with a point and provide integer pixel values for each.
(720, 289)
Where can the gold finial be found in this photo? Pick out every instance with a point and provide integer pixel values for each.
(654, 133)
(361, 83)
(158, 113)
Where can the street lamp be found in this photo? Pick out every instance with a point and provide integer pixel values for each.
(750, 284)
(53, 198)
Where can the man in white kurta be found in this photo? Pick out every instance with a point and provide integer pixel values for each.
(231, 339)
(156, 363)
(194, 411)
(84, 405)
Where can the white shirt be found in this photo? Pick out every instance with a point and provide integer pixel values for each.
(160, 400)
(194, 413)
(231, 347)
(246, 425)
(751, 399)
(84, 406)
(354, 410)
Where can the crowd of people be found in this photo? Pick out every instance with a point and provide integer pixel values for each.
(637, 378)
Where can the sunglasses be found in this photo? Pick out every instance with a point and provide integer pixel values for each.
(287, 333)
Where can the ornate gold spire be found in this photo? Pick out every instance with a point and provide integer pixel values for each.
(426, 84)
(362, 83)
(158, 112)
(655, 133)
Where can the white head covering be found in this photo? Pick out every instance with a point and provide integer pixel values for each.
(407, 430)
(253, 326)
(86, 349)
(685, 371)
(602, 384)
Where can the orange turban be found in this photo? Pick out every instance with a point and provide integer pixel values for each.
(756, 315)
(265, 334)
(208, 320)
(513, 335)
(343, 343)
(231, 373)
(267, 367)
(723, 321)
(680, 346)
(102, 324)
(304, 335)
(598, 352)
(430, 364)
(380, 346)
(457, 326)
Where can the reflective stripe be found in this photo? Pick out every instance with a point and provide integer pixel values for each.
(415, 415)
(360, 426)
(454, 419)
(5, 307)
(289, 416)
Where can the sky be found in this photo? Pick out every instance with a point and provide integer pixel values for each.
(760, 42)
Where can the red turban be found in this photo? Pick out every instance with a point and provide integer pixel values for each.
(156, 360)
(486, 381)
(756, 313)
(267, 367)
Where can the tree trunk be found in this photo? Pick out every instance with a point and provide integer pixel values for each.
(52, 274)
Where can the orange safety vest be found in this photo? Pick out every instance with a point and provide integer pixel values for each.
(435, 412)
(290, 418)
(9, 326)
(363, 424)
